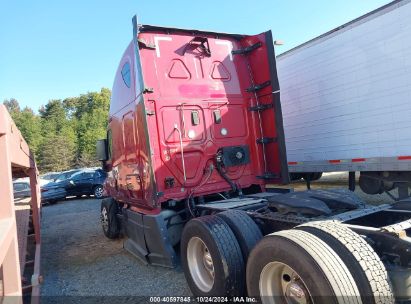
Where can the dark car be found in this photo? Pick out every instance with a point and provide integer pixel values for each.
(65, 175)
(52, 192)
(51, 176)
(55, 190)
(86, 182)
(21, 189)
(82, 182)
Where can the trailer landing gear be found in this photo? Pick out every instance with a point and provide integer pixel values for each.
(351, 181)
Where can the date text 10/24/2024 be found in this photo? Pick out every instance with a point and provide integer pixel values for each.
(203, 299)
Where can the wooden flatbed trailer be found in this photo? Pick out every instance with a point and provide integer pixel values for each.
(16, 160)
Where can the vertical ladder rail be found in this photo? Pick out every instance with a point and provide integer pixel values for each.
(257, 101)
(264, 89)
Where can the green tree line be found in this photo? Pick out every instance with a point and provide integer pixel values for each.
(63, 134)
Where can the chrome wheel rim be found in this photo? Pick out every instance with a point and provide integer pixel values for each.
(98, 192)
(104, 219)
(279, 283)
(200, 264)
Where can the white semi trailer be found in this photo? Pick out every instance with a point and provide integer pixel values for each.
(346, 100)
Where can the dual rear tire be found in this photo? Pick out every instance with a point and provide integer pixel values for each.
(319, 262)
(214, 252)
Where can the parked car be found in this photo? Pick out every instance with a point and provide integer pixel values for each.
(62, 176)
(76, 183)
(21, 189)
(55, 190)
(50, 176)
(86, 182)
(41, 180)
(52, 192)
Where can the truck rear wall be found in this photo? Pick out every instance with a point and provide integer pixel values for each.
(183, 122)
(346, 95)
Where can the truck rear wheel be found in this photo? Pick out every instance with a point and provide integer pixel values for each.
(364, 264)
(108, 216)
(211, 258)
(244, 228)
(294, 266)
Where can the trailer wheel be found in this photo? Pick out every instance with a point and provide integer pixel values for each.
(364, 264)
(313, 176)
(294, 266)
(244, 228)
(370, 185)
(211, 258)
(108, 218)
(295, 176)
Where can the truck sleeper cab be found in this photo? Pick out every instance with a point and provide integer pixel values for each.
(194, 140)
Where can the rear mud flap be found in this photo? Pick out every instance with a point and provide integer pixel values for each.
(147, 239)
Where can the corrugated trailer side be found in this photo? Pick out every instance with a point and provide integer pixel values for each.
(346, 97)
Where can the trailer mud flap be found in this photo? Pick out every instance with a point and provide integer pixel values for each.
(147, 239)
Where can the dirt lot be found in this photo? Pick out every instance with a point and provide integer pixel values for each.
(77, 260)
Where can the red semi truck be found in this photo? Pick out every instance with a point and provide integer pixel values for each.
(195, 136)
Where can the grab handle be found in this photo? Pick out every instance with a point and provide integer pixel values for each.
(182, 151)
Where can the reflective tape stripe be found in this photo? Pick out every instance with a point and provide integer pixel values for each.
(357, 160)
(334, 161)
(352, 161)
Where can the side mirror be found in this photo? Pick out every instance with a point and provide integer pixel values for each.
(101, 150)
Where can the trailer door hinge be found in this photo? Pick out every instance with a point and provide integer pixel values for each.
(257, 87)
(268, 175)
(148, 90)
(262, 107)
(150, 112)
(247, 49)
(144, 44)
(266, 140)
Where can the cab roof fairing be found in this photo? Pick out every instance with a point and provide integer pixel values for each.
(143, 28)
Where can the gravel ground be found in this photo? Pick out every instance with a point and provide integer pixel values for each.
(78, 260)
